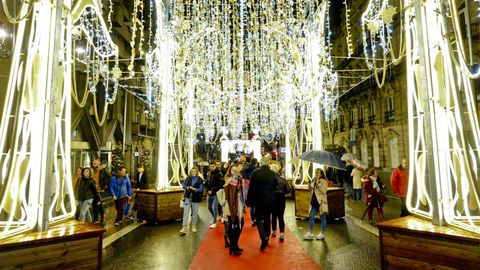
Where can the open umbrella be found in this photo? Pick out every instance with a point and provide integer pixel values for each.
(324, 158)
(349, 156)
(359, 164)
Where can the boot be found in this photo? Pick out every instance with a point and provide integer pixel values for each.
(380, 214)
(194, 228)
(183, 231)
(370, 215)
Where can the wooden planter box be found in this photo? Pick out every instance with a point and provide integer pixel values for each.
(414, 243)
(154, 206)
(70, 245)
(335, 197)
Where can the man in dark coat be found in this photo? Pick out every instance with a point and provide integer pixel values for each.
(141, 179)
(261, 195)
(214, 183)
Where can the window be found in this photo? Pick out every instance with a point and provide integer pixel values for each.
(390, 112)
(390, 103)
(360, 117)
(352, 119)
(371, 110)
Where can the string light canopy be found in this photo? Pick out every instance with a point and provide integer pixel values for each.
(245, 65)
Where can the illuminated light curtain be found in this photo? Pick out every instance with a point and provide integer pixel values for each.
(444, 132)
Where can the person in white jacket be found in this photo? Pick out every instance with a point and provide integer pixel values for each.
(357, 183)
(318, 204)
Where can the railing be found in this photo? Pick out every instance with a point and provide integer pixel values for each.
(371, 120)
(390, 116)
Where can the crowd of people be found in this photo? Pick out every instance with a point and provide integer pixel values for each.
(91, 184)
(232, 188)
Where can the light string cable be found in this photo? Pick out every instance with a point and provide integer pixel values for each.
(17, 18)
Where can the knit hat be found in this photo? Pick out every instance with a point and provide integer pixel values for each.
(265, 161)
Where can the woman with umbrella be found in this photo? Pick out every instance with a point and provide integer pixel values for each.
(318, 203)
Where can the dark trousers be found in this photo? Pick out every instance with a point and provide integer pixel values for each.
(234, 230)
(120, 205)
(263, 222)
(278, 212)
(98, 209)
(404, 211)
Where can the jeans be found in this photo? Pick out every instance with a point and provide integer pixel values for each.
(357, 194)
(311, 219)
(213, 207)
(85, 210)
(186, 211)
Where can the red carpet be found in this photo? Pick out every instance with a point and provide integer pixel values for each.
(289, 254)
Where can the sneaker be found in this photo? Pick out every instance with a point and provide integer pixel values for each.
(183, 231)
(282, 237)
(308, 236)
(132, 218)
(117, 223)
(320, 236)
(274, 234)
(213, 226)
(194, 228)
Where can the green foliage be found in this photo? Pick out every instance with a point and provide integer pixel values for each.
(118, 160)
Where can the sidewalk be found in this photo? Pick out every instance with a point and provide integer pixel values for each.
(355, 209)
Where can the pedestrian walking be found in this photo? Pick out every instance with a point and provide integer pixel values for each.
(141, 178)
(213, 183)
(374, 198)
(193, 186)
(247, 175)
(121, 191)
(87, 191)
(261, 195)
(399, 181)
(279, 207)
(233, 202)
(357, 183)
(103, 177)
(318, 204)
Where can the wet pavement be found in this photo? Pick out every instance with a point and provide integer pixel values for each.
(349, 243)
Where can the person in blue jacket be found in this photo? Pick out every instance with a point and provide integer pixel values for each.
(121, 191)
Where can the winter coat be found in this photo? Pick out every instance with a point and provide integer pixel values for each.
(357, 178)
(120, 187)
(87, 189)
(142, 183)
(320, 188)
(399, 181)
(231, 198)
(214, 182)
(197, 183)
(261, 193)
(373, 196)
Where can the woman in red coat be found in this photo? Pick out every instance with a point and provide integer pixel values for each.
(372, 186)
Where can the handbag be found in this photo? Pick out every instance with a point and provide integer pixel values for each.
(382, 198)
(182, 202)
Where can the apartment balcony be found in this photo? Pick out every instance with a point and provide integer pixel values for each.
(360, 123)
(342, 127)
(350, 124)
(390, 116)
(371, 120)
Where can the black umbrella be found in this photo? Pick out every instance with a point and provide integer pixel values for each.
(324, 158)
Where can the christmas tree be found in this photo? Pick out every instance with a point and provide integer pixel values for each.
(145, 160)
(118, 160)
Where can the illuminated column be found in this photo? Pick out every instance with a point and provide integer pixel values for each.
(443, 126)
(288, 154)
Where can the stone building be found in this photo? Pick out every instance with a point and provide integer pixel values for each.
(372, 121)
